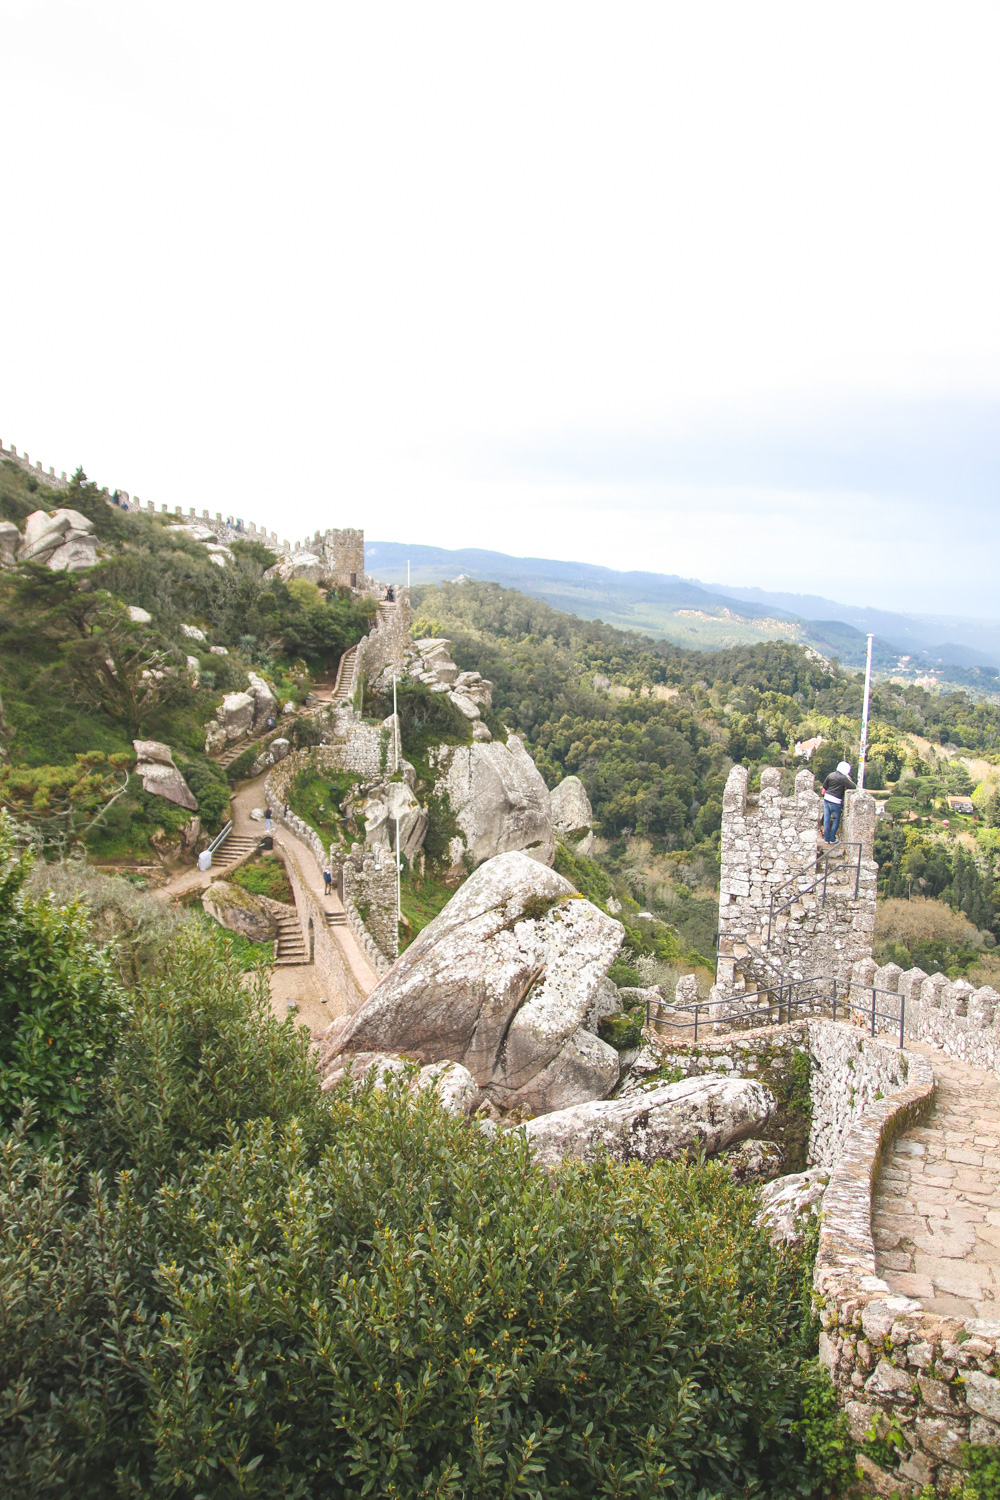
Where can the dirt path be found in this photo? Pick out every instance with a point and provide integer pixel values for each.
(300, 982)
(936, 1215)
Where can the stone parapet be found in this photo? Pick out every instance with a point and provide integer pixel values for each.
(949, 1013)
(370, 903)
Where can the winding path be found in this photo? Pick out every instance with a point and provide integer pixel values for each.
(301, 983)
(936, 1214)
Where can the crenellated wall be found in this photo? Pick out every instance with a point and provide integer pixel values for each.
(38, 471)
(949, 1013)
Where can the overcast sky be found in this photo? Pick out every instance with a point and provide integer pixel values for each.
(704, 288)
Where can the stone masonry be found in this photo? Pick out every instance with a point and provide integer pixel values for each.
(769, 851)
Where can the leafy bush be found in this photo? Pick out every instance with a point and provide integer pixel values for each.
(210, 786)
(265, 1290)
(137, 930)
(60, 1004)
(426, 719)
(264, 876)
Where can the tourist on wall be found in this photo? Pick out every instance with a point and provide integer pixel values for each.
(836, 785)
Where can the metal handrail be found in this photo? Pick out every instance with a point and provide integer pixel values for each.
(824, 859)
(823, 988)
(220, 838)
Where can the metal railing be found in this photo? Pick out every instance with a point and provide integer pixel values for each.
(220, 838)
(822, 864)
(777, 1004)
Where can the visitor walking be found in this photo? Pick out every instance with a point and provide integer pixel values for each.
(834, 788)
(268, 820)
(327, 880)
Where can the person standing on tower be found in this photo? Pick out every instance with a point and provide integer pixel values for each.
(835, 786)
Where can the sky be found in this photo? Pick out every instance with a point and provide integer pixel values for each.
(702, 289)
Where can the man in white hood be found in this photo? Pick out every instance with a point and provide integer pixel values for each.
(835, 788)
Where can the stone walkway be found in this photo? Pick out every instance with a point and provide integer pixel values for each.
(936, 1214)
(301, 982)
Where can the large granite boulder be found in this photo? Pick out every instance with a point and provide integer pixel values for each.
(787, 1204)
(62, 540)
(10, 543)
(502, 981)
(389, 804)
(300, 564)
(160, 777)
(698, 1114)
(572, 814)
(235, 715)
(265, 704)
(240, 911)
(276, 750)
(500, 802)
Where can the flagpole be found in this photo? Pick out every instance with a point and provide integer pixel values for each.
(864, 717)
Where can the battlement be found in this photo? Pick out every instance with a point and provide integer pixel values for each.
(782, 905)
(343, 550)
(38, 471)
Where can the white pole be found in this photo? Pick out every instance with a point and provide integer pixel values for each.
(864, 717)
(399, 886)
(395, 726)
(407, 572)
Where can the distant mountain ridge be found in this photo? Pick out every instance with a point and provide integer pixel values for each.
(712, 616)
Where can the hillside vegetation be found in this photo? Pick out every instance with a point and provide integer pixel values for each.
(216, 1280)
(652, 730)
(81, 678)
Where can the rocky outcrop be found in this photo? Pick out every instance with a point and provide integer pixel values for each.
(454, 1085)
(235, 715)
(429, 661)
(276, 751)
(387, 805)
(697, 1115)
(300, 565)
(502, 981)
(240, 911)
(265, 704)
(160, 777)
(572, 814)
(139, 616)
(62, 540)
(194, 633)
(787, 1204)
(500, 802)
(10, 541)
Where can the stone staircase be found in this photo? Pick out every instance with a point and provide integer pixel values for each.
(347, 674)
(291, 945)
(236, 847)
(336, 919)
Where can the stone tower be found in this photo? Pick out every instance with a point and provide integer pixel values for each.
(784, 912)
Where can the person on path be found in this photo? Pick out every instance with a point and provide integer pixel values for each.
(268, 820)
(834, 788)
(328, 880)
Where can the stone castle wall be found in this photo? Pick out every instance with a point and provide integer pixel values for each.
(386, 644)
(769, 847)
(37, 471)
(370, 903)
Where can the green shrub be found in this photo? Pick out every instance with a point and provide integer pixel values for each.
(265, 1290)
(210, 787)
(60, 1003)
(264, 876)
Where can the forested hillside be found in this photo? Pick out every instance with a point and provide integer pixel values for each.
(83, 674)
(652, 730)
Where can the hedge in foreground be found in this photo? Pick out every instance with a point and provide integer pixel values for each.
(239, 1286)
